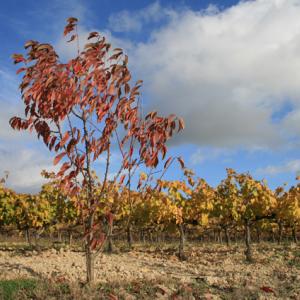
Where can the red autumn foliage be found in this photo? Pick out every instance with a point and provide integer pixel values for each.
(83, 107)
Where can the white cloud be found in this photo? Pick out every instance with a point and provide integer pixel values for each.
(24, 166)
(126, 21)
(292, 122)
(292, 166)
(202, 155)
(226, 72)
(18, 152)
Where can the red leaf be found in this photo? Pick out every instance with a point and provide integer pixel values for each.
(181, 162)
(58, 158)
(167, 163)
(122, 179)
(18, 58)
(111, 89)
(110, 218)
(64, 139)
(72, 20)
(94, 244)
(267, 289)
(72, 38)
(93, 34)
(20, 70)
(181, 124)
(30, 44)
(64, 167)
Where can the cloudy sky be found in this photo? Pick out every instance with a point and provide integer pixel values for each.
(230, 68)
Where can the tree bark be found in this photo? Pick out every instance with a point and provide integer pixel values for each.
(227, 237)
(258, 235)
(181, 254)
(273, 236)
(235, 236)
(248, 251)
(129, 237)
(27, 235)
(90, 264)
(59, 236)
(280, 228)
(294, 231)
(110, 246)
(144, 237)
(220, 240)
(69, 237)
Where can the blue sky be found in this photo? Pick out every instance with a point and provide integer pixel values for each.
(231, 69)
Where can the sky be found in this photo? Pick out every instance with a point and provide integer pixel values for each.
(230, 68)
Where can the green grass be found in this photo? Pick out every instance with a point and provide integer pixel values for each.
(10, 288)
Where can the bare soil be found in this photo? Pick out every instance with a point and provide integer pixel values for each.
(221, 272)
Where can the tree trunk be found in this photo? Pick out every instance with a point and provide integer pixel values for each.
(294, 231)
(273, 236)
(220, 240)
(280, 228)
(144, 237)
(227, 237)
(89, 256)
(248, 251)
(181, 254)
(258, 234)
(27, 235)
(110, 246)
(235, 236)
(129, 237)
(90, 263)
(59, 234)
(150, 237)
(69, 237)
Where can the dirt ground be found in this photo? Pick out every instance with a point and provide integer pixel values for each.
(220, 270)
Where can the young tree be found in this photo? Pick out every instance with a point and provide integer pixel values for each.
(192, 202)
(83, 110)
(66, 215)
(225, 206)
(7, 205)
(31, 212)
(255, 202)
(288, 210)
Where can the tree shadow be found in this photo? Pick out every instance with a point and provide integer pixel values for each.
(19, 267)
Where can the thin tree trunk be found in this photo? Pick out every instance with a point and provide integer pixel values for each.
(27, 235)
(182, 243)
(59, 234)
(258, 234)
(273, 236)
(227, 237)
(220, 239)
(110, 247)
(129, 237)
(294, 234)
(89, 256)
(248, 251)
(235, 236)
(150, 237)
(70, 237)
(90, 264)
(280, 228)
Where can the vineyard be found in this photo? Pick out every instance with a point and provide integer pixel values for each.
(186, 228)
(132, 233)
